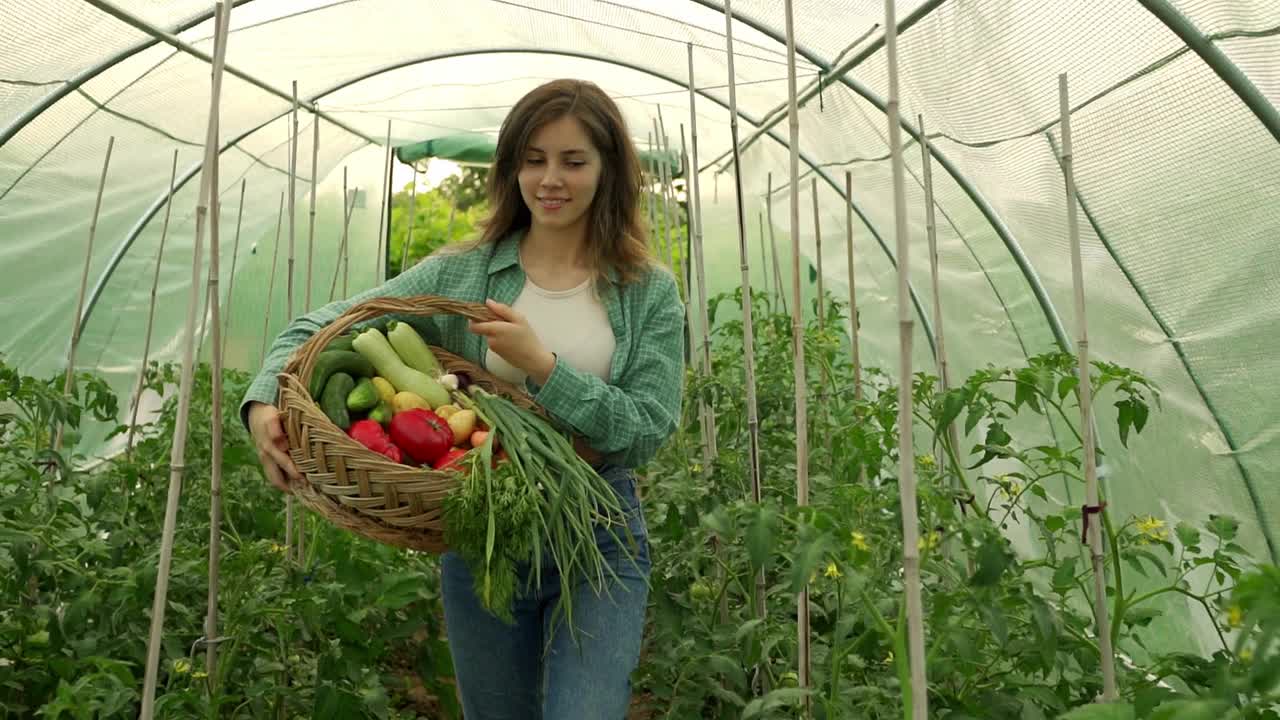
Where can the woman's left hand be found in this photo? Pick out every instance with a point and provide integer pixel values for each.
(513, 340)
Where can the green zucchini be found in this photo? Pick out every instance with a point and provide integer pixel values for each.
(413, 350)
(374, 346)
(333, 361)
(333, 401)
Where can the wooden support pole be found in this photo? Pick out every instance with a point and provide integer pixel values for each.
(853, 297)
(379, 271)
(177, 459)
(151, 311)
(700, 268)
(231, 282)
(940, 343)
(906, 451)
(76, 329)
(342, 245)
(797, 339)
(773, 245)
(1085, 389)
(215, 427)
(315, 188)
(271, 283)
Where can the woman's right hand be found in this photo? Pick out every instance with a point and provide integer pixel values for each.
(272, 445)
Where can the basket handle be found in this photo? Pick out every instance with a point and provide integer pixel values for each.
(303, 360)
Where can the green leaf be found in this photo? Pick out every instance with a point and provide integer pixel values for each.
(1067, 385)
(996, 621)
(1109, 711)
(1140, 413)
(1191, 710)
(952, 403)
(1054, 523)
(1125, 420)
(1223, 526)
(992, 561)
(772, 700)
(760, 537)
(1187, 535)
(718, 522)
(730, 669)
(1064, 576)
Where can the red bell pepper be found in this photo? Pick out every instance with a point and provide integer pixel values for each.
(450, 459)
(371, 435)
(421, 434)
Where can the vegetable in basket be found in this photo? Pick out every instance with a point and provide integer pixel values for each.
(373, 345)
(422, 434)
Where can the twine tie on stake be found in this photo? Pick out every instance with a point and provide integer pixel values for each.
(1085, 512)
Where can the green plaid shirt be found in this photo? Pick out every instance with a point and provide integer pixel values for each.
(627, 419)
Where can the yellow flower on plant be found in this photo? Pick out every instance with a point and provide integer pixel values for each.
(1235, 616)
(832, 571)
(927, 461)
(888, 659)
(929, 541)
(1009, 487)
(199, 675)
(1153, 528)
(182, 666)
(859, 541)
(277, 548)
(1246, 655)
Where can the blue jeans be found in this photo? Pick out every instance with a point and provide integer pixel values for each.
(501, 669)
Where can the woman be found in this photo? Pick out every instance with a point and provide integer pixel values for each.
(593, 328)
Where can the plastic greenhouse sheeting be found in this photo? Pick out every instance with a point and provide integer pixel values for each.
(471, 149)
(1177, 159)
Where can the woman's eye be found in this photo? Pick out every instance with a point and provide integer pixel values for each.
(533, 161)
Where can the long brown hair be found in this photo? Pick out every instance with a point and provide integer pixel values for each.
(616, 231)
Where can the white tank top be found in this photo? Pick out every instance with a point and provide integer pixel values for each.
(571, 323)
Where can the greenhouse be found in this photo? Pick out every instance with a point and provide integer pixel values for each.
(867, 473)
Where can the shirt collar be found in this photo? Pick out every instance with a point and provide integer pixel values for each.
(506, 253)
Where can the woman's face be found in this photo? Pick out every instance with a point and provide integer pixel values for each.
(559, 174)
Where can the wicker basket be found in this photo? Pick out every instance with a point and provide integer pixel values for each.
(350, 485)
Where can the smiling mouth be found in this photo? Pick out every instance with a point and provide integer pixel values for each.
(552, 203)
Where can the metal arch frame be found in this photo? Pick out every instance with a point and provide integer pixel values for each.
(136, 230)
(1218, 62)
(158, 35)
(988, 212)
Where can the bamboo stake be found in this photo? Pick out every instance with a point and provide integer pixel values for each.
(1085, 389)
(940, 345)
(231, 282)
(271, 283)
(346, 222)
(215, 430)
(823, 394)
(773, 245)
(151, 311)
(408, 238)
(753, 422)
(652, 199)
(853, 299)
(379, 271)
(311, 223)
(177, 459)
(661, 166)
(695, 205)
(906, 452)
(797, 335)
(346, 250)
(76, 330)
(764, 258)
(293, 185)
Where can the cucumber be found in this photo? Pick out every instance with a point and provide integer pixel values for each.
(342, 342)
(333, 361)
(363, 397)
(333, 401)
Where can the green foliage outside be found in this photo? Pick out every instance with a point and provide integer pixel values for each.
(449, 212)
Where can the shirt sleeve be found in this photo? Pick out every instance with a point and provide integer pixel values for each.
(629, 421)
(422, 279)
